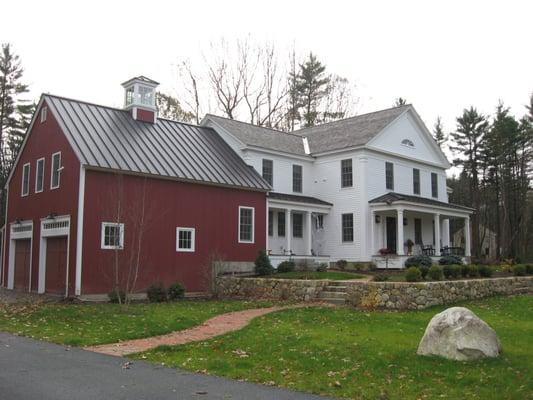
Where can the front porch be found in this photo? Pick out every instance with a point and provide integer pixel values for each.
(402, 226)
(295, 229)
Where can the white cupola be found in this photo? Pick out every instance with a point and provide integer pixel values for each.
(139, 98)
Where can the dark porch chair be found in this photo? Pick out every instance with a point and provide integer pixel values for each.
(428, 250)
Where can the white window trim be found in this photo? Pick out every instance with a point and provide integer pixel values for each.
(253, 225)
(193, 239)
(22, 194)
(37, 174)
(52, 172)
(102, 236)
(44, 114)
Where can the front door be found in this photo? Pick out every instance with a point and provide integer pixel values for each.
(391, 234)
(56, 264)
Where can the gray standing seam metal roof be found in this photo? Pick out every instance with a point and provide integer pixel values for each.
(336, 135)
(297, 198)
(260, 136)
(109, 138)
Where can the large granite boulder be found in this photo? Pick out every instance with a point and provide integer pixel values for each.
(459, 334)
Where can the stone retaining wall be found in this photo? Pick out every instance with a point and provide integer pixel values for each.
(375, 295)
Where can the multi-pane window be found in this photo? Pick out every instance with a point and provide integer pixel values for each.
(39, 175)
(319, 222)
(44, 113)
(389, 176)
(185, 238)
(281, 224)
(434, 185)
(25, 190)
(147, 95)
(297, 225)
(297, 178)
(246, 225)
(416, 181)
(130, 95)
(56, 170)
(268, 171)
(418, 231)
(346, 173)
(112, 235)
(347, 227)
(270, 223)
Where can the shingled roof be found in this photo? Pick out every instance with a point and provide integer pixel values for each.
(349, 132)
(109, 138)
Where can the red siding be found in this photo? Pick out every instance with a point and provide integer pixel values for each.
(212, 211)
(145, 115)
(45, 139)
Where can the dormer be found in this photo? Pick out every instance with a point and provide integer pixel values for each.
(139, 98)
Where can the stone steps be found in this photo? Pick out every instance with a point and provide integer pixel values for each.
(335, 289)
(334, 293)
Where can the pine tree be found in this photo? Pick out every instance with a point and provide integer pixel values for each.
(312, 83)
(14, 114)
(469, 141)
(169, 107)
(438, 133)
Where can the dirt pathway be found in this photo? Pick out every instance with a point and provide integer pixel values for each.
(216, 326)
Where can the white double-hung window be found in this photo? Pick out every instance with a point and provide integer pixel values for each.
(25, 189)
(185, 239)
(55, 176)
(112, 236)
(246, 224)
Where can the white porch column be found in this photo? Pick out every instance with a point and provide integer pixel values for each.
(399, 238)
(446, 232)
(308, 232)
(468, 252)
(436, 218)
(288, 229)
(372, 229)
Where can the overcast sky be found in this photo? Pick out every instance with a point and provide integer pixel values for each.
(441, 56)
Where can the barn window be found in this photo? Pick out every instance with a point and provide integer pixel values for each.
(112, 235)
(39, 175)
(44, 114)
(55, 177)
(25, 180)
(246, 225)
(185, 239)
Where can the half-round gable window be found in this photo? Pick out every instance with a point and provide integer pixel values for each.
(408, 143)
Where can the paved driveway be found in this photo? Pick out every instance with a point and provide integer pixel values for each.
(34, 370)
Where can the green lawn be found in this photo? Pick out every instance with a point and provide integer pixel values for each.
(366, 355)
(90, 324)
(332, 275)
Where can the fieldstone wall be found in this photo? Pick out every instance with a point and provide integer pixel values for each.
(268, 288)
(375, 295)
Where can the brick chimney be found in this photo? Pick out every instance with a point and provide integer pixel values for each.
(139, 98)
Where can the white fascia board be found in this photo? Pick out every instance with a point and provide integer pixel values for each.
(428, 209)
(298, 206)
(280, 153)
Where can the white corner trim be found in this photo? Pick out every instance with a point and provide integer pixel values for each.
(79, 228)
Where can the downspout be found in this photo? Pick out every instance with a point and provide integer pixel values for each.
(79, 227)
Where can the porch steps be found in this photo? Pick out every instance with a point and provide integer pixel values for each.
(334, 293)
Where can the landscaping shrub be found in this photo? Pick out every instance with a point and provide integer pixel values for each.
(473, 271)
(286, 266)
(176, 291)
(262, 264)
(529, 269)
(381, 278)
(450, 260)
(435, 273)
(156, 293)
(342, 264)
(418, 261)
(457, 271)
(424, 271)
(114, 296)
(519, 270)
(464, 270)
(485, 271)
(322, 267)
(413, 274)
(447, 271)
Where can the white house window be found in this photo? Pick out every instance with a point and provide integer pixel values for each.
(55, 177)
(268, 171)
(44, 114)
(25, 190)
(270, 223)
(39, 175)
(185, 239)
(297, 225)
(346, 173)
(147, 95)
(389, 176)
(434, 185)
(408, 143)
(319, 221)
(112, 235)
(347, 227)
(130, 95)
(416, 181)
(246, 225)
(297, 178)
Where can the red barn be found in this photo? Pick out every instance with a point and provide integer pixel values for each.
(101, 197)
